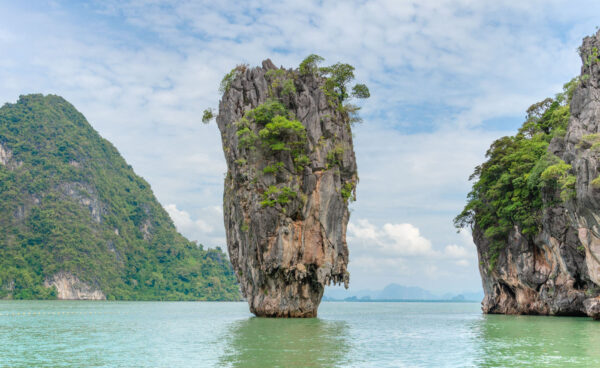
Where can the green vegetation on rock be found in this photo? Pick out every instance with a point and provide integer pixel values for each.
(337, 77)
(275, 195)
(207, 115)
(70, 203)
(230, 77)
(509, 189)
(348, 190)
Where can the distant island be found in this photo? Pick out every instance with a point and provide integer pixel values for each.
(76, 222)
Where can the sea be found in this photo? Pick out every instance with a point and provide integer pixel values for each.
(345, 334)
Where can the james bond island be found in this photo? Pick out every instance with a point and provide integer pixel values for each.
(535, 206)
(291, 173)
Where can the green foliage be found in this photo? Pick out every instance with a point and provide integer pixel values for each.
(301, 161)
(280, 78)
(264, 113)
(589, 140)
(348, 191)
(230, 77)
(227, 80)
(128, 247)
(207, 116)
(282, 134)
(275, 74)
(559, 173)
(335, 156)
(274, 195)
(596, 182)
(246, 137)
(361, 91)
(273, 168)
(288, 87)
(556, 171)
(310, 65)
(335, 86)
(509, 186)
(338, 76)
(592, 57)
(352, 111)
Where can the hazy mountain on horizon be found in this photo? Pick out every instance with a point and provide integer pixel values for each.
(395, 291)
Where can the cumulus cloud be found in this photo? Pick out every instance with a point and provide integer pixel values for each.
(396, 252)
(183, 220)
(456, 251)
(202, 228)
(391, 240)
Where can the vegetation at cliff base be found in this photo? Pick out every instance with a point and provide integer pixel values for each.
(509, 187)
(70, 203)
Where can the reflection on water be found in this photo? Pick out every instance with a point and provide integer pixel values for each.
(267, 342)
(517, 341)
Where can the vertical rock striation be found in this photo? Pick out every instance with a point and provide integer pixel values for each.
(557, 271)
(291, 171)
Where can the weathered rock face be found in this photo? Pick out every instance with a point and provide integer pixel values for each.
(285, 208)
(69, 287)
(558, 273)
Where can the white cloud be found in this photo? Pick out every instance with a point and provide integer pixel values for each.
(392, 240)
(396, 252)
(456, 251)
(462, 263)
(184, 222)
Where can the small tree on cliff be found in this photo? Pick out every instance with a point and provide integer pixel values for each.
(338, 76)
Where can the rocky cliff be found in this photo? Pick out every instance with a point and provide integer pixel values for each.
(291, 172)
(549, 261)
(76, 222)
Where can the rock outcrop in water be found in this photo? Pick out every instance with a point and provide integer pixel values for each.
(556, 269)
(291, 172)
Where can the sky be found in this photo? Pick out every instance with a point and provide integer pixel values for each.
(447, 77)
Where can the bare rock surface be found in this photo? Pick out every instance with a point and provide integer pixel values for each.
(69, 287)
(286, 210)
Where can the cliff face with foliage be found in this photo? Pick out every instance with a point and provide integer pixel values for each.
(535, 208)
(77, 223)
(291, 172)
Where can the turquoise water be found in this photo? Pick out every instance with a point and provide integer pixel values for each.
(188, 334)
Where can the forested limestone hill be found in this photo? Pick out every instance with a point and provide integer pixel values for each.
(76, 222)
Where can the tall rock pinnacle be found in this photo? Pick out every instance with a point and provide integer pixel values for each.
(291, 172)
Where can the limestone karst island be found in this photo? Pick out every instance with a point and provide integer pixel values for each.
(299, 184)
(291, 172)
(535, 205)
